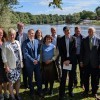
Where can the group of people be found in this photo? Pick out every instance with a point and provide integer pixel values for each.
(49, 59)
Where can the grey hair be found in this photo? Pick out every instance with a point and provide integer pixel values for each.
(94, 30)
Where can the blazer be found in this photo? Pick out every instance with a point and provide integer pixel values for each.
(25, 36)
(72, 50)
(8, 54)
(92, 56)
(29, 54)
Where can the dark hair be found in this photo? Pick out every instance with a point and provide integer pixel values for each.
(77, 27)
(30, 30)
(4, 38)
(47, 36)
(66, 28)
(37, 33)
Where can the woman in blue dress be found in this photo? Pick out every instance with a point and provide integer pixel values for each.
(48, 54)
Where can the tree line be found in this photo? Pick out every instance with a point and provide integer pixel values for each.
(28, 18)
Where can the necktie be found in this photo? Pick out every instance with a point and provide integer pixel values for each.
(91, 44)
(32, 44)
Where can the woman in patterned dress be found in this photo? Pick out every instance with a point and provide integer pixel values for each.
(3, 78)
(12, 58)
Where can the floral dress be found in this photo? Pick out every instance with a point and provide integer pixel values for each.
(15, 74)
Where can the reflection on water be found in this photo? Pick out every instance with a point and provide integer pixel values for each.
(46, 29)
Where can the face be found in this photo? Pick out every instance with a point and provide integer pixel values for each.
(67, 32)
(31, 34)
(39, 34)
(12, 36)
(1, 33)
(53, 31)
(90, 32)
(20, 28)
(77, 31)
(48, 40)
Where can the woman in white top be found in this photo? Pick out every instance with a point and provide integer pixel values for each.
(12, 58)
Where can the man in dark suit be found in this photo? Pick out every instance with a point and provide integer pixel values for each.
(21, 37)
(67, 50)
(90, 60)
(79, 38)
(31, 51)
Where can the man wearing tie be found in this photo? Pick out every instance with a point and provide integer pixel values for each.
(31, 52)
(67, 51)
(90, 60)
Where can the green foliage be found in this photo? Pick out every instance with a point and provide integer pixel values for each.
(56, 3)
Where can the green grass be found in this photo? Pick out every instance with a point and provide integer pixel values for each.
(77, 91)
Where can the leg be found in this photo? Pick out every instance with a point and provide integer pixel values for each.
(51, 88)
(17, 86)
(30, 78)
(71, 81)
(38, 78)
(0, 88)
(25, 77)
(62, 83)
(86, 79)
(94, 80)
(11, 90)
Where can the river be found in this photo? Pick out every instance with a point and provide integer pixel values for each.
(46, 29)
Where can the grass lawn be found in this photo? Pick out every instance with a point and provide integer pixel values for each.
(77, 91)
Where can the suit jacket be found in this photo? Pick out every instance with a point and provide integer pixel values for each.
(31, 54)
(92, 56)
(72, 50)
(8, 55)
(24, 37)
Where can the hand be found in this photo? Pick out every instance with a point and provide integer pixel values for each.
(67, 62)
(35, 62)
(48, 62)
(7, 69)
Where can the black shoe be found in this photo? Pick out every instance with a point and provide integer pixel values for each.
(12, 98)
(71, 94)
(32, 97)
(41, 95)
(18, 97)
(61, 98)
(46, 91)
(85, 94)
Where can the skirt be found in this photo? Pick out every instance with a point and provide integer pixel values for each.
(14, 74)
(49, 72)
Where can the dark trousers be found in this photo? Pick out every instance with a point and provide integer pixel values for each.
(81, 72)
(93, 72)
(36, 70)
(25, 76)
(63, 82)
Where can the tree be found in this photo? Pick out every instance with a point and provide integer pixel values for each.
(5, 12)
(98, 12)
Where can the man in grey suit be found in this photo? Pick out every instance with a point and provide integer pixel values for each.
(21, 37)
(90, 60)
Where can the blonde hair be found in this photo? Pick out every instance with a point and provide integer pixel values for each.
(11, 30)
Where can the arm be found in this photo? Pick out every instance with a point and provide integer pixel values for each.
(56, 53)
(4, 58)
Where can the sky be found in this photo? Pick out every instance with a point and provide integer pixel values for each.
(37, 7)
